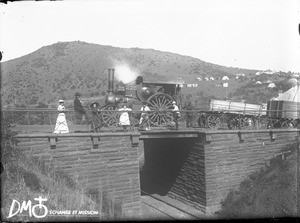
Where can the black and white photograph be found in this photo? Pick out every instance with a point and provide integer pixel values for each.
(149, 110)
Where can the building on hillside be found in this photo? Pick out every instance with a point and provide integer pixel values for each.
(225, 78)
(192, 85)
(257, 82)
(268, 72)
(206, 79)
(211, 78)
(258, 73)
(239, 75)
(267, 82)
(271, 85)
(225, 84)
(199, 79)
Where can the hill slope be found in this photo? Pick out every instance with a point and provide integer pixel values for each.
(59, 70)
(271, 192)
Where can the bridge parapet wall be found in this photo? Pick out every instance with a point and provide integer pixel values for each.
(105, 163)
(212, 163)
(229, 160)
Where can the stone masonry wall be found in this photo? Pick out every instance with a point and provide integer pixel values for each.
(228, 161)
(189, 186)
(112, 167)
(207, 167)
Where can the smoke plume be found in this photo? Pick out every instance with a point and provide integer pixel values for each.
(125, 74)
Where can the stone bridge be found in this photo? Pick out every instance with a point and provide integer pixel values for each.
(197, 167)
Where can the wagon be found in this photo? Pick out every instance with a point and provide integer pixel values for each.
(284, 114)
(229, 114)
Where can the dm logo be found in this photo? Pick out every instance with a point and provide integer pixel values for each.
(16, 208)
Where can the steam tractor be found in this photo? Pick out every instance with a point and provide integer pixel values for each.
(158, 94)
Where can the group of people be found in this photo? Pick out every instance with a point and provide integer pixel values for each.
(124, 119)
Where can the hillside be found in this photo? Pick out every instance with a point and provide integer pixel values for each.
(24, 178)
(268, 193)
(59, 70)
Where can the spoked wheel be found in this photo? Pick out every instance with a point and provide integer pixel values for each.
(248, 123)
(159, 103)
(233, 123)
(240, 123)
(213, 122)
(109, 115)
(273, 123)
(287, 124)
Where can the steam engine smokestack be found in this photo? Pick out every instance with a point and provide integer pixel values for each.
(111, 76)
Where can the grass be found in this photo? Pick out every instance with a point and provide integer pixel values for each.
(25, 178)
(268, 193)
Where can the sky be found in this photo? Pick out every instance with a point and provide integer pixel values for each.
(252, 34)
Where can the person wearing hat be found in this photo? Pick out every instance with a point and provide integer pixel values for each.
(79, 110)
(145, 116)
(176, 114)
(61, 122)
(95, 116)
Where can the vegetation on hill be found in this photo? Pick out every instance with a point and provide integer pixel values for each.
(59, 70)
(25, 178)
(268, 193)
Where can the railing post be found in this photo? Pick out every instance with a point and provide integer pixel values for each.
(28, 118)
(12, 117)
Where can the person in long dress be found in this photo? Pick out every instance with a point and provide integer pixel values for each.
(61, 122)
(124, 117)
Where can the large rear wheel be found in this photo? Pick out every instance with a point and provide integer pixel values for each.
(159, 104)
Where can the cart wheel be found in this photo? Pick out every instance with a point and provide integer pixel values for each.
(273, 123)
(287, 124)
(213, 122)
(233, 123)
(249, 123)
(109, 115)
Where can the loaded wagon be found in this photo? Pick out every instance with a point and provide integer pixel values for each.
(229, 114)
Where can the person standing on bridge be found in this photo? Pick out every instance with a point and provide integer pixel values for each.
(189, 114)
(79, 110)
(176, 114)
(124, 117)
(145, 116)
(61, 122)
(95, 119)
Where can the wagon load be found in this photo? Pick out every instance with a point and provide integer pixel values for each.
(234, 115)
(236, 107)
